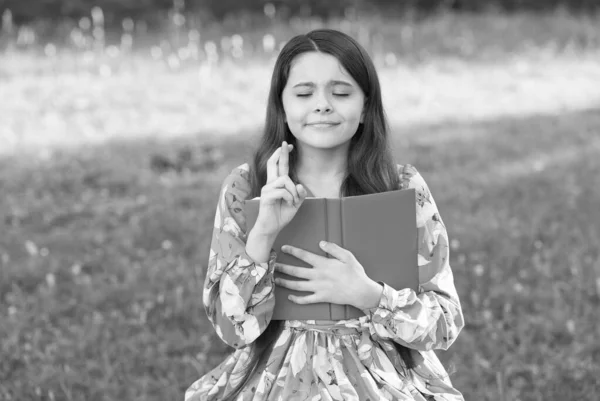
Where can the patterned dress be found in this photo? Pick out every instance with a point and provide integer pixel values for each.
(312, 360)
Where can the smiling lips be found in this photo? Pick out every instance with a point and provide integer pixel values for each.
(323, 124)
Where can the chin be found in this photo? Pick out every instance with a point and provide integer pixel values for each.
(325, 144)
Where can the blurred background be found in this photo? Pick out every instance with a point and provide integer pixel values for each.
(120, 119)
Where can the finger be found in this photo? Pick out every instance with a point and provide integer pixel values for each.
(336, 251)
(278, 193)
(272, 169)
(296, 271)
(287, 183)
(302, 192)
(306, 299)
(284, 160)
(298, 285)
(301, 254)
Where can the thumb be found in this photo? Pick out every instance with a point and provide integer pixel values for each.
(302, 192)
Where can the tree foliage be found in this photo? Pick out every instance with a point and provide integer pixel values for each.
(27, 10)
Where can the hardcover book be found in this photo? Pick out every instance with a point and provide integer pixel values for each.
(379, 229)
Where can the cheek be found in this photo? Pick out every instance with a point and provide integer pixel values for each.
(353, 112)
(292, 112)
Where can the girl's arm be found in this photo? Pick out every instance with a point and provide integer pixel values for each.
(432, 317)
(238, 291)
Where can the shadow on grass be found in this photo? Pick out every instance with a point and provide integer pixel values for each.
(104, 250)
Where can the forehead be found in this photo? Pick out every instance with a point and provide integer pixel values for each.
(318, 68)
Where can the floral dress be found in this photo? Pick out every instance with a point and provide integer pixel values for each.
(312, 360)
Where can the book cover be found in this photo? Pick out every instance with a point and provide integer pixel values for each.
(379, 229)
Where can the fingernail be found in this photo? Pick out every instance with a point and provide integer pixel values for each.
(323, 243)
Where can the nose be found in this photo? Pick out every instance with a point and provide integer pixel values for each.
(323, 104)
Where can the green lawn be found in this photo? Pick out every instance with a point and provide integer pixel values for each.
(103, 243)
(103, 258)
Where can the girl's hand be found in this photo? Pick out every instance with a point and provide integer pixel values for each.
(339, 280)
(280, 198)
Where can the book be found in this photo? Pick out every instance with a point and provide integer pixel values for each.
(379, 229)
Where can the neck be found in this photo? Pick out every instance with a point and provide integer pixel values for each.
(322, 171)
(322, 165)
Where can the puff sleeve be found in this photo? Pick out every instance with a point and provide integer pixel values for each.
(430, 318)
(238, 292)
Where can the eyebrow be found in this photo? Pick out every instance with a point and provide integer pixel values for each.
(312, 85)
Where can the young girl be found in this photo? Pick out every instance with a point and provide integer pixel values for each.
(325, 136)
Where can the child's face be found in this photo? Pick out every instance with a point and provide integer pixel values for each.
(322, 102)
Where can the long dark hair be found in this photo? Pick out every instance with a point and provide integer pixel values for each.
(370, 167)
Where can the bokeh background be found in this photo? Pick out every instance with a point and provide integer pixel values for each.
(120, 119)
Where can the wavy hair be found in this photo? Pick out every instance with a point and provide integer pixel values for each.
(370, 165)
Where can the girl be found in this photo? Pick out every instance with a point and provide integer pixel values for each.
(325, 136)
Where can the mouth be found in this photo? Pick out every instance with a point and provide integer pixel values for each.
(323, 124)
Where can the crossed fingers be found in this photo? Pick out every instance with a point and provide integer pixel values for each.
(278, 164)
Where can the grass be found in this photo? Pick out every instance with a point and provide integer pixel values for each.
(103, 259)
(104, 241)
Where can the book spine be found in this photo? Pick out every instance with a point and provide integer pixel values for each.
(343, 245)
(349, 311)
(328, 224)
(334, 234)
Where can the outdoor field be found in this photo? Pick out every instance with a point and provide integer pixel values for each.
(112, 155)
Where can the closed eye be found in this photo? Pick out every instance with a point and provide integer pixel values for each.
(335, 94)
